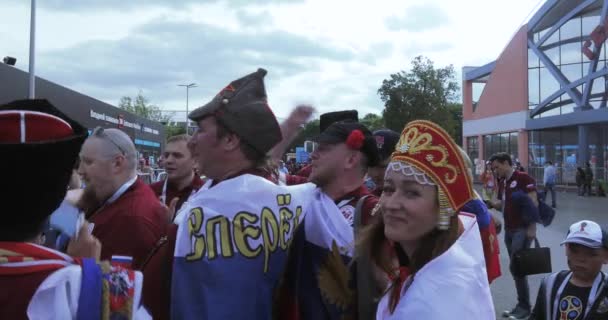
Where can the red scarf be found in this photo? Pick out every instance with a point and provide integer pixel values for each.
(24, 258)
(398, 280)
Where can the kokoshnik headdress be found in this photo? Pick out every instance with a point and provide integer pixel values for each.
(427, 152)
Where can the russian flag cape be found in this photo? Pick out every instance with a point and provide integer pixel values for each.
(232, 243)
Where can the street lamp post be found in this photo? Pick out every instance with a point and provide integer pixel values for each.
(32, 50)
(188, 86)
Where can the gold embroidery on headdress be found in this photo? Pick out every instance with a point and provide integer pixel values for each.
(414, 142)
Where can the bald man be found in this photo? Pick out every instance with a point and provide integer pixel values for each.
(126, 216)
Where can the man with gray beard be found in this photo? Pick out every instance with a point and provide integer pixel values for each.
(126, 216)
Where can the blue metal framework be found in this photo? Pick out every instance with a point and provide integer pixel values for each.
(480, 72)
(580, 99)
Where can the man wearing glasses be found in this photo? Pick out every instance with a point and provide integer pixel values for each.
(38, 282)
(126, 216)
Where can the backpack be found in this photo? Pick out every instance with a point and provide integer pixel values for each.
(545, 212)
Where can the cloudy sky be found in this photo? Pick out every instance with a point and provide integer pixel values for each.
(331, 53)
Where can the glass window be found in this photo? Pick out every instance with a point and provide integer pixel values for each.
(487, 145)
(571, 53)
(551, 112)
(540, 34)
(504, 141)
(586, 67)
(568, 147)
(552, 144)
(568, 105)
(553, 55)
(599, 86)
(548, 84)
(552, 39)
(570, 29)
(589, 23)
(595, 104)
(572, 72)
(472, 143)
(501, 142)
(495, 146)
(477, 91)
(513, 144)
(533, 148)
(533, 61)
(568, 108)
(533, 86)
(473, 152)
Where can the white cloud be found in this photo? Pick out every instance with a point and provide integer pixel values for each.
(334, 54)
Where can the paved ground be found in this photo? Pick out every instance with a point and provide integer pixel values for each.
(570, 208)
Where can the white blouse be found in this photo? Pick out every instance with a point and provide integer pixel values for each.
(451, 286)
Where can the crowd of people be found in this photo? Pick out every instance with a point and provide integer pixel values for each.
(382, 224)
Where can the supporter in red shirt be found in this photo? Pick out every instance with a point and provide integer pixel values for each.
(518, 233)
(126, 216)
(181, 179)
(345, 151)
(38, 282)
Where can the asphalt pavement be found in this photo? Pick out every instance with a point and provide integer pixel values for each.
(570, 208)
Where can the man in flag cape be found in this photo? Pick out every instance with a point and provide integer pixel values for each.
(232, 236)
(37, 282)
(315, 285)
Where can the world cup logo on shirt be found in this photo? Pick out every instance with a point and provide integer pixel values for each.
(570, 308)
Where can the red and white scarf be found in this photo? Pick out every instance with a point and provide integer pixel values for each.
(24, 258)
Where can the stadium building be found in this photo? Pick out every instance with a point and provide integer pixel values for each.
(147, 135)
(544, 98)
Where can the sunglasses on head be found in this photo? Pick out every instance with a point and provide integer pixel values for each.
(100, 133)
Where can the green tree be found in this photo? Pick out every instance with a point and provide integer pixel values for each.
(140, 105)
(373, 121)
(173, 130)
(455, 110)
(424, 92)
(311, 130)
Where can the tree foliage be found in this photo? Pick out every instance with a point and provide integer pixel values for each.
(173, 130)
(424, 92)
(373, 121)
(455, 110)
(141, 106)
(311, 130)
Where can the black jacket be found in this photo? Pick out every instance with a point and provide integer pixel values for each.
(551, 283)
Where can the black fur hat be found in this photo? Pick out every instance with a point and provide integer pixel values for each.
(39, 146)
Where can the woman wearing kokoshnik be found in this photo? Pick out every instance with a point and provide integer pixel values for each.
(442, 273)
